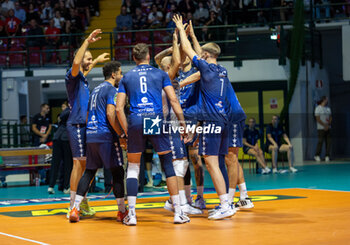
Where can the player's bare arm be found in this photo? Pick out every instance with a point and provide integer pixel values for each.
(176, 59)
(93, 37)
(112, 119)
(197, 47)
(185, 43)
(120, 112)
(158, 58)
(191, 79)
(100, 59)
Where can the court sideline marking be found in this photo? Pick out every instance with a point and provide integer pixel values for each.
(21, 238)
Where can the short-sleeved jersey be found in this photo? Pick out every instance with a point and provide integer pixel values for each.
(78, 97)
(252, 136)
(188, 95)
(98, 128)
(276, 134)
(143, 86)
(211, 104)
(236, 113)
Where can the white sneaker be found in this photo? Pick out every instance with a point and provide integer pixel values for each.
(169, 206)
(274, 170)
(199, 203)
(66, 191)
(211, 211)
(317, 158)
(188, 209)
(245, 204)
(68, 212)
(181, 218)
(327, 159)
(222, 213)
(282, 171)
(130, 219)
(50, 190)
(265, 170)
(293, 170)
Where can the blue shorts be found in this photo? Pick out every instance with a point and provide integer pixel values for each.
(106, 154)
(236, 134)
(214, 144)
(77, 139)
(137, 140)
(177, 146)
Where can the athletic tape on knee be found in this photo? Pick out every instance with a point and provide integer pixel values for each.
(180, 167)
(167, 163)
(133, 170)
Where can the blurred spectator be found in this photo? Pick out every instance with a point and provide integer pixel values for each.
(124, 20)
(200, 15)
(70, 4)
(322, 5)
(2, 31)
(34, 30)
(215, 5)
(24, 131)
(155, 17)
(7, 5)
(286, 10)
(20, 13)
(83, 7)
(213, 34)
(61, 152)
(76, 21)
(130, 7)
(52, 38)
(33, 13)
(139, 21)
(246, 15)
(188, 17)
(324, 120)
(47, 13)
(63, 10)
(186, 6)
(12, 24)
(168, 5)
(58, 20)
(169, 16)
(41, 126)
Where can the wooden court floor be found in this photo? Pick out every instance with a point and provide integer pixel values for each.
(287, 216)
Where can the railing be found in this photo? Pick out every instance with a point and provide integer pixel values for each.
(39, 51)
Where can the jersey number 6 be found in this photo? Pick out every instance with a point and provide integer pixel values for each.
(143, 84)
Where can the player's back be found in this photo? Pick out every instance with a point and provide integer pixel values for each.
(144, 85)
(78, 97)
(98, 127)
(236, 111)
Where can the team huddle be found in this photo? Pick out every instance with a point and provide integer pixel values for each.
(185, 109)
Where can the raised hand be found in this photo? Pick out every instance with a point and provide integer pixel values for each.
(93, 36)
(103, 58)
(175, 36)
(178, 21)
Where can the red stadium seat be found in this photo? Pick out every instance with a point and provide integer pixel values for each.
(35, 56)
(124, 38)
(16, 59)
(122, 53)
(3, 61)
(142, 37)
(159, 36)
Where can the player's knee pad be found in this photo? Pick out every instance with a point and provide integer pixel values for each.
(180, 167)
(167, 163)
(133, 170)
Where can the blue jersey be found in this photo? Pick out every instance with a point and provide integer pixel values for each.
(188, 94)
(212, 93)
(276, 134)
(144, 85)
(78, 97)
(252, 136)
(236, 111)
(98, 128)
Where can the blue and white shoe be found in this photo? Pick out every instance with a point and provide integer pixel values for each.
(199, 203)
(222, 213)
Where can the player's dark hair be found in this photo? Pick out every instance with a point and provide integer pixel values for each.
(109, 68)
(43, 105)
(140, 51)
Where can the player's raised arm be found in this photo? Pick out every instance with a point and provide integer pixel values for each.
(158, 58)
(176, 59)
(191, 79)
(78, 59)
(185, 43)
(197, 47)
(100, 59)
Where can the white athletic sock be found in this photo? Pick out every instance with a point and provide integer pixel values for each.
(176, 203)
(224, 201)
(231, 194)
(188, 193)
(72, 198)
(183, 199)
(132, 203)
(77, 201)
(150, 177)
(200, 190)
(121, 204)
(243, 191)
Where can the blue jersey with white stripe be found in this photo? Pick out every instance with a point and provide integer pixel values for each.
(237, 113)
(211, 104)
(78, 97)
(187, 93)
(144, 85)
(98, 128)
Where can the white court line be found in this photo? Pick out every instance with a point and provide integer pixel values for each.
(24, 239)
